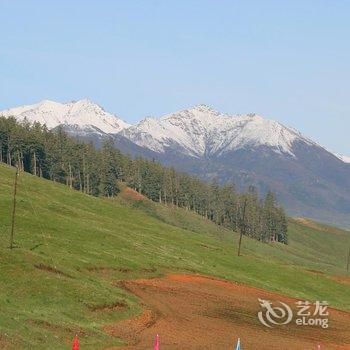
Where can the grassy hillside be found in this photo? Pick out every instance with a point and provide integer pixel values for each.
(73, 249)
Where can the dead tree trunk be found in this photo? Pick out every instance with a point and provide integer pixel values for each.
(242, 227)
(70, 176)
(13, 209)
(34, 163)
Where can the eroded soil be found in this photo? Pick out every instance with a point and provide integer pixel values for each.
(196, 312)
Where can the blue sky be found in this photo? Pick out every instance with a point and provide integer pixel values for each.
(286, 60)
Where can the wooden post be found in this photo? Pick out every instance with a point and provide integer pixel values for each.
(14, 209)
(242, 227)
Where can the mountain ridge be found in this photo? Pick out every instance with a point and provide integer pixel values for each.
(85, 115)
(203, 131)
(82, 114)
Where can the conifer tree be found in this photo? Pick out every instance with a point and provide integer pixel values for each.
(54, 155)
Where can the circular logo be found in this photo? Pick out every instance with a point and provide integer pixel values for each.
(274, 315)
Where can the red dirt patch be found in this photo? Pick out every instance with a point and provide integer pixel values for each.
(131, 330)
(341, 279)
(195, 312)
(5, 342)
(129, 193)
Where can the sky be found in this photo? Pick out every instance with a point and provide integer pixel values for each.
(285, 60)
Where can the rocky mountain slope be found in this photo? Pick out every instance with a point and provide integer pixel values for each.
(203, 132)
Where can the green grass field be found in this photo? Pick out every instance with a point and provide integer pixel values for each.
(72, 249)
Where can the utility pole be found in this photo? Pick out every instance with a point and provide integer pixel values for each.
(14, 209)
(242, 226)
(348, 262)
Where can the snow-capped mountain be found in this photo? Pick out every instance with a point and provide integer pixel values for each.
(248, 150)
(204, 132)
(243, 149)
(197, 132)
(81, 116)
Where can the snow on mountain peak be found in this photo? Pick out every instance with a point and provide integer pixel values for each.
(204, 108)
(203, 131)
(200, 131)
(343, 158)
(82, 114)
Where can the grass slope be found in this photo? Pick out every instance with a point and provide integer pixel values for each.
(73, 249)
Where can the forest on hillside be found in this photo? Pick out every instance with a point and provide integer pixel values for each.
(56, 156)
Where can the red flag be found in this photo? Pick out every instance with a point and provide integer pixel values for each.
(76, 343)
(156, 343)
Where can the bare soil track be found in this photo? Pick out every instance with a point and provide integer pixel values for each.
(196, 312)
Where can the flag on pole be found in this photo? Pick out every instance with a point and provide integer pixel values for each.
(238, 347)
(156, 343)
(76, 343)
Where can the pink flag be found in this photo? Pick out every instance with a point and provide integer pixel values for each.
(156, 343)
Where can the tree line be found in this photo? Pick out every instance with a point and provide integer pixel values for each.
(56, 156)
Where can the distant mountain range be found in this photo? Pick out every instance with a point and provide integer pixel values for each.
(82, 116)
(244, 149)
